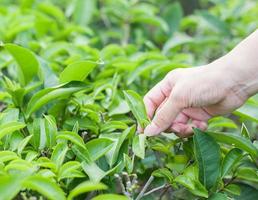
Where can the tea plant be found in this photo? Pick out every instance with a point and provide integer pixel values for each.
(73, 74)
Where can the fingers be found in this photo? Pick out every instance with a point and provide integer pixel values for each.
(186, 130)
(164, 116)
(154, 98)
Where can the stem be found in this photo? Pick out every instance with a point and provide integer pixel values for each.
(145, 188)
(155, 189)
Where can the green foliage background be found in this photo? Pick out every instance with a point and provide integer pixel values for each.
(72, 76)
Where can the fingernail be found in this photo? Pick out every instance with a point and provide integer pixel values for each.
(152, 130)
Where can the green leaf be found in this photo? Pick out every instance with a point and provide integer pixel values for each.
(84, 187)
(70, 170)
(233, 189)
(82, 153)
(230, 160)
(137, 107)
(248, 174)
(23, 144)
(207, 151)
(45, 187)
(9, 187)
(236, 140)
(59, 153)
(94, 172)
(245, 132)
(129, 163)
(110, 197)
(27, 63)
(83, 11)
(49, 94)
(113, 153)
(138, 145)
(189, 179)
(218, 196)
(6, 156)
(164, 172)
(71, 136)
(98, 147)
(77, 71)
(10, 127)
(215, 22)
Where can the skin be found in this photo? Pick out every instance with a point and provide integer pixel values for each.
(188, 98)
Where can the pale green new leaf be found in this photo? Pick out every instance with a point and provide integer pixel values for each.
(110, 197)
(10, 127)
(77, 71)
(137, 107)
(44, 186)
(138, 145)
(9, 187)
(71, 136)
(28, 64)
(98, 147)
(84, 187)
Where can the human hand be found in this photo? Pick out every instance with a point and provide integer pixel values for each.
(187, 98)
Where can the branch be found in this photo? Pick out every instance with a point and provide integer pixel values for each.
(145, 188)
(156, 189)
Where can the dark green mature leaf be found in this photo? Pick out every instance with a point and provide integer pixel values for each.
(10, 127)
(236, 140)
(84, 187)
(45, 187)
(77, 71)
(207, 151)
(218, 196)
(138, 145)
(49, 94)
(230, 160)
(27, 63)
(110, 197)
(137, 107)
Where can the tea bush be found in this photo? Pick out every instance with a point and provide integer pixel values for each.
(73, 74)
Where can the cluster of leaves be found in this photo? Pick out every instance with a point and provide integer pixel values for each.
(69, 71)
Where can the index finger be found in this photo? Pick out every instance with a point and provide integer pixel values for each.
(154, 98)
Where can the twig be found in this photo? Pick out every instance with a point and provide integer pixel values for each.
(164, 192)
(155, 189)
(145, 188)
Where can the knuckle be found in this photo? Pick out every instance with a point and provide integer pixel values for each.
(174, 73)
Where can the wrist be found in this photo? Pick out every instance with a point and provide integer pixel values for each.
(241, 66)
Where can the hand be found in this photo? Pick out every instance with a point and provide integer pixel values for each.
(187, 98)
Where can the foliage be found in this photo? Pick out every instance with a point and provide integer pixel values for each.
(73, 74)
